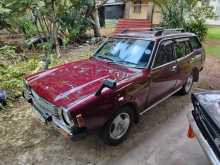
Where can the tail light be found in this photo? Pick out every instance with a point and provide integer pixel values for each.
(190, 133)
(81, 121)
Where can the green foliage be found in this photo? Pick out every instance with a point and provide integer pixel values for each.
(11, 76)
(74, 18)
(214, 33)
(172, 18)
(195, 21)
(45, 46)
(7, 53)
(67, 19)
(27, 27)
(4, 14)
(213, 50)
(13, 70)
(187, 14)
(198, 27)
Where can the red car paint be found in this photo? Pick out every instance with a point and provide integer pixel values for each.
(73, 86)
(67, 83)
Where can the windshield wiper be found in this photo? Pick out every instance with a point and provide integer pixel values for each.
(126, 63)
(105, 57)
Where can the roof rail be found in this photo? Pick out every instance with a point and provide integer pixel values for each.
(158, 30)
(136, 29)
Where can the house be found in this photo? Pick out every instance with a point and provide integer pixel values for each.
(216, 7)
(143, 9)
(114, 9)
(139, 9)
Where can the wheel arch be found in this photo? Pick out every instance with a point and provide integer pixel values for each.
(134, 108)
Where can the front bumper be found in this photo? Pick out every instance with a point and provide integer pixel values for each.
(203, 142)
(73, 133)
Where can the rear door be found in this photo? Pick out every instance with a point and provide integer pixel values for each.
(198, 56)
(183, 53)
(164, 73)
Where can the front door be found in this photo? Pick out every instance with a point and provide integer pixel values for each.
(164, 73)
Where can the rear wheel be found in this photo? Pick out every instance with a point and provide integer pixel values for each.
(188, 85)
(116, 130)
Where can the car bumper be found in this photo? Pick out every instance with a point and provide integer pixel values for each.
(73, 133)
(70, 133)
(203, 142)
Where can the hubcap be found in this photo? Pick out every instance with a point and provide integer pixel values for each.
(119, 125)
(189, 83)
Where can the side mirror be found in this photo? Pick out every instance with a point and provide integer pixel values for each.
(111, 84)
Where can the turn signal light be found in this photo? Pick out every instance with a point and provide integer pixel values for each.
(190, 133)
(80, 120)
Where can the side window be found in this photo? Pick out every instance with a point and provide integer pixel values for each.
(188, 47)
(195, 44)
(180, 49)
(165, 54)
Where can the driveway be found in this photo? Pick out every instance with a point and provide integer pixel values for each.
(158, 139)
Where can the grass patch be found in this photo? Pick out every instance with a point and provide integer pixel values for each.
(14, 68)
(213, 50)
(213, 33)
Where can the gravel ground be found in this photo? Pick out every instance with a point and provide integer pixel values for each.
(159, 138)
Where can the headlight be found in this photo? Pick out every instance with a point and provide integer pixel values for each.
(66, 117)
(26, 85)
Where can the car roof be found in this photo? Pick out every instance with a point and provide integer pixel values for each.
(150, 34)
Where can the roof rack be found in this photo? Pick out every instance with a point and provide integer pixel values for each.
(156, 31)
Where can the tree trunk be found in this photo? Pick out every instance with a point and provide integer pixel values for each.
(96, 24)
(54, 31)
(152, 14)
(55, 40)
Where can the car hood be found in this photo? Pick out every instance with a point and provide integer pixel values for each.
(210, 101)
(65, 84)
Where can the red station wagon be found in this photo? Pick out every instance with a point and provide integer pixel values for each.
(127, 76)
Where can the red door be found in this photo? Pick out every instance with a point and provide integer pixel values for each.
(164, 73)
(184, 57)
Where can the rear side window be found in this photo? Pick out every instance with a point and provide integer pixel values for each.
(188, 47)
(195, 44)
(165, 54)
(182, 48)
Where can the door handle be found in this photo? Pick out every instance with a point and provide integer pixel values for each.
(173, 69)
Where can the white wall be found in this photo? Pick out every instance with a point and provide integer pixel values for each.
(216, 5)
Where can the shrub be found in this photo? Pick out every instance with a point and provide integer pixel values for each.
(190, 15)
(13, 70)
(27, 27)
(197, 27)
(75, 22)
(171, 17)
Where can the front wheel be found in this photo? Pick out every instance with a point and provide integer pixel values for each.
(188, 85)
(116, 130)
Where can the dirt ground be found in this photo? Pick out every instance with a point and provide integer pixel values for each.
(159, 138)
(210, 76)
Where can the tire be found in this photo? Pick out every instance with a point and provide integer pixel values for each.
(116, 130)
(187, 85)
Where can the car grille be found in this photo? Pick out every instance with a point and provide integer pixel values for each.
(43, 105)
(208, 123)
(208, 128)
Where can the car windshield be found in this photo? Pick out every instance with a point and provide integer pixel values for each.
(131, 52)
